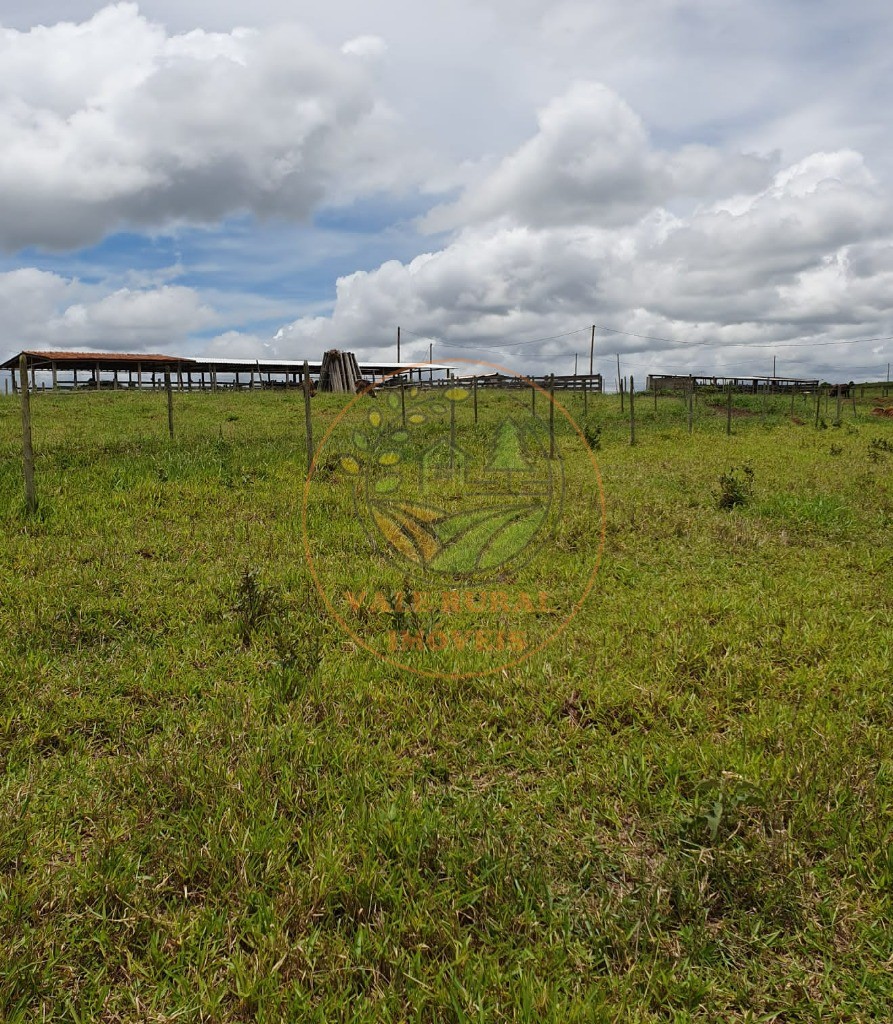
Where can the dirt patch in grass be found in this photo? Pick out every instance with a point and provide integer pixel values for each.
(736, 412)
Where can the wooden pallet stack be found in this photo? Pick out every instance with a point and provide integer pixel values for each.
(339, 372)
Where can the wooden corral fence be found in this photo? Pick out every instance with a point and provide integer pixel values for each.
(582, 382)
(740, 385)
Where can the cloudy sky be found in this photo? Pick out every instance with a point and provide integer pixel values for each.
(709, 182)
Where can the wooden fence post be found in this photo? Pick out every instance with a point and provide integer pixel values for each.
(621, 396)
(839, 404)
(308, 419)
(691, 402)
(632, 410)
(729, 409)
(27, 447)
(818, 406)
(475, 394)
(552, 416)
(170, 402)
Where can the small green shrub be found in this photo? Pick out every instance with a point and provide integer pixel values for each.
(592, 432)
(253, 606)
(735, 487)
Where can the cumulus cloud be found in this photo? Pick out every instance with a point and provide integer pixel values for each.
(365, 46)
(44, 310)
(238, 345)
(806, 256)
(115, 122)
(591, 161)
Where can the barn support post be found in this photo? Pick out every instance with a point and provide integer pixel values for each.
(27, 447)
(98, 377)
(55, 376)
(114, 380)
(33, 378)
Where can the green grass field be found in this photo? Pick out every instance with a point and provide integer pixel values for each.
(215, 806)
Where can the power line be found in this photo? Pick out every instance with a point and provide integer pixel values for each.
(676, 343)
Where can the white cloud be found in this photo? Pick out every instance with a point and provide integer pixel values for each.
(114, 122)
(44, 310)
(365, 46)
(808, 256)
(591, 161)
(237, 345)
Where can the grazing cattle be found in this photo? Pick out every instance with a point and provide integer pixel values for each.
(366, 387)
(843, 390)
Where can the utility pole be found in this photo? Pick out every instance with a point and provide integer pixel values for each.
(619, 384)
(430, 351)
(398, 344)
(592, 350)
(773, 366)
(575, 364)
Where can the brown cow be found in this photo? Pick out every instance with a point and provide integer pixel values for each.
(366, 387)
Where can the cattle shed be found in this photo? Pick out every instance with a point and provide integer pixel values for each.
(747, 385)
(95, 371)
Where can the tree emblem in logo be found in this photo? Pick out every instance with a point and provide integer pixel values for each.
(443, 508)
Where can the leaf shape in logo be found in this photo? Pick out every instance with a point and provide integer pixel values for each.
(350, 464)
(456, 394)
(412, 536)
(486, 538)
(387, 484)
(375, 418)
(359, 441)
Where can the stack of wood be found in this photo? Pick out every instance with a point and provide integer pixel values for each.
(339, 372)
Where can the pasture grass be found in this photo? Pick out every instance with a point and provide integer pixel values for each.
(214, 807)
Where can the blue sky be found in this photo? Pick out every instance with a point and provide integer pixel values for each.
(711, 178)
